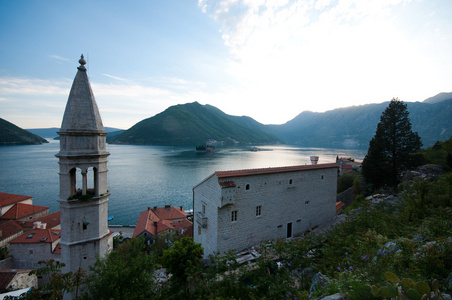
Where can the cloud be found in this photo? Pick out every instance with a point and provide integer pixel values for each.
(318, 55)
(32, 86)
(59, 58)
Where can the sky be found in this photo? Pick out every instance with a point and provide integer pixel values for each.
(269, 60)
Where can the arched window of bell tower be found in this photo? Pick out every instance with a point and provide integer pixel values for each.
(84, 181)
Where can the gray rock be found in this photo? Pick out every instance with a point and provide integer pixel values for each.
(319, 281)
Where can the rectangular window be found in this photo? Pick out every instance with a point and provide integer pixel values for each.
(233, 216)
(203, 209)
(199, 230)
(258, 210)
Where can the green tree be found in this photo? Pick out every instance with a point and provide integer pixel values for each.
(125, 273)
(56, 283)
(391, 149)
(184, 259)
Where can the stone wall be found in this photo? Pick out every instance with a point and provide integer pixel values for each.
(27, 255)
(300, 200)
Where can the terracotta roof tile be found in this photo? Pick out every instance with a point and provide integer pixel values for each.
(7, 275)
(146, 223)
(248, 172)
(38, 236)
(52, 220)
(9, 228)
(156, 220)
(186, 225)
(339, 205)
(7, 199)
(57, 249)
(169, 212)
(20, 210)
(227, 184)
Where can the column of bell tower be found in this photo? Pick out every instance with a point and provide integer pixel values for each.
(84, 210)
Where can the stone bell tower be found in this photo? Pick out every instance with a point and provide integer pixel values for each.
(83, 178)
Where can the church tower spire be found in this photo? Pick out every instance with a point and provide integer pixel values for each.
(83, 194)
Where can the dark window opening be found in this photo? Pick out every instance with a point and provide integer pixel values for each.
(247, 187)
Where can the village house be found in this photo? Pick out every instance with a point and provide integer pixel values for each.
(24, 212)
(14, 279)
(36, 245)
(347, 165)
(8, 200)
(165, 221)
(234, 210)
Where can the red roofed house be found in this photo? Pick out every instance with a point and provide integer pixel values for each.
(50, 221)
(24, 212)
(35, 245)
(11, 280)
(9, 231)
(238, 209)
(168, 220)
(347, 165)
(8, 200)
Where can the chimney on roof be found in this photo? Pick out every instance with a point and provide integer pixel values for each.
(149, 208)
(180, 207)
(155, 207)
(314, 160)
(43, 225)
(167, 206)
(36, 224)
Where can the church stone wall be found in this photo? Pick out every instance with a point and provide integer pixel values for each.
(303, 198)
(207, 194)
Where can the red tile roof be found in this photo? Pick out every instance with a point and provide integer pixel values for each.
(57, 249)
(186, 225)
(9, 228)
(156, 220)
(248, 172)
(20, 210)
(169, 212)
(227, 184)
(7, 199)
(146, 223)
(38, 236)
(339, 205)
(7, 275)
(51, 220)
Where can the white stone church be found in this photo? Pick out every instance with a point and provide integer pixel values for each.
(83, 194)
(235, 210)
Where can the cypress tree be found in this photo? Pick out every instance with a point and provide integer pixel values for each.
(391, 149)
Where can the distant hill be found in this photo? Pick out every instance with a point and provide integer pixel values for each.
(438, 98)
(51, 133)
(355, 126)
(194, 124)
(11, 134)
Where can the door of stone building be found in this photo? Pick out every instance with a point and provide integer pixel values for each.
(289, 230)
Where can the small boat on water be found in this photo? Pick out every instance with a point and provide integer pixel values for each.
(254, 149)
(110, 218)
(205, 149)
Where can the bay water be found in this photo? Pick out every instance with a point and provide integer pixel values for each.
(142, 176)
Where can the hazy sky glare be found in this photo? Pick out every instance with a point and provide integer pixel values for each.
(269, 60)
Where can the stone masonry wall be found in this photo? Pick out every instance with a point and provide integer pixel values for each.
(302, 198)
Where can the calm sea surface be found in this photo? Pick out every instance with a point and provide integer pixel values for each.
(142, 176)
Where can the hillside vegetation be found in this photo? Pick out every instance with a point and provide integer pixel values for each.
(194, 124)
(11, 134)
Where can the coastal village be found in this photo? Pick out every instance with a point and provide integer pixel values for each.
(232, 210)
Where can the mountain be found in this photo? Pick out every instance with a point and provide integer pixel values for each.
(194, 124)
(51, 133)
(438, 98)
(355, 126)
(11, 134)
